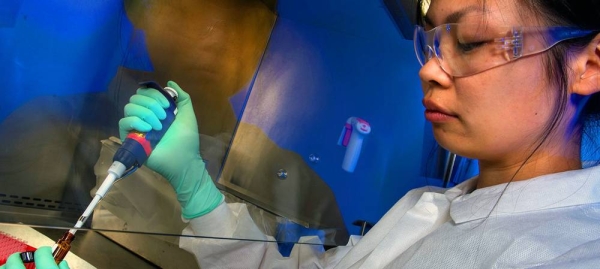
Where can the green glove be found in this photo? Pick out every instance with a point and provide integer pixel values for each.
(177, 155)
(43, 260)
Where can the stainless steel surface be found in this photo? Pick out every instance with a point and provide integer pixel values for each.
(450, 163)
(297, 192)
(153, 249)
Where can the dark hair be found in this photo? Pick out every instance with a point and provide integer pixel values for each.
(584, 15)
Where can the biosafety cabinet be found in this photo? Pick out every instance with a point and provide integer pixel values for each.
(309, 112)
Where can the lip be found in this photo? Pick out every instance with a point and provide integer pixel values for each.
(436, 113)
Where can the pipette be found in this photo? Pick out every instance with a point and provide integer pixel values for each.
(131, 155)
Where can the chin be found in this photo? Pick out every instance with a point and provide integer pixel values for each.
(458, 148)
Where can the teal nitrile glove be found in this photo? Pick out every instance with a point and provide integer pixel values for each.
(177, 155)
(43, 260)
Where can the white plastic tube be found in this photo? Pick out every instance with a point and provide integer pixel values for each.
(115, 171)
(353, 141)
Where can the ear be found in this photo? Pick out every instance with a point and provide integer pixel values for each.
(587, 75)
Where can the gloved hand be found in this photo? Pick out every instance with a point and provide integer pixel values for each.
(177, 155)
(43, 260)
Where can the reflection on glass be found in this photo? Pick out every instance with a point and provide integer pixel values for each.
(70, 79)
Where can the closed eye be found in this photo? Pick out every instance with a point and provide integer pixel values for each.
(468, 47)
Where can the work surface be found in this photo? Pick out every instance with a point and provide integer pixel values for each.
(89, 249)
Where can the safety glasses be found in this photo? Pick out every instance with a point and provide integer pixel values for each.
(465, 49)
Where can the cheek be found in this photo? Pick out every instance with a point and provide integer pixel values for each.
(518, 88)
(509, 105)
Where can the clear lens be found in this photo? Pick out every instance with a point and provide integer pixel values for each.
(470, 49)
(463, 49)
(420, 45)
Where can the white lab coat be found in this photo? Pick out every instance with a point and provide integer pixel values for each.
(552, 221)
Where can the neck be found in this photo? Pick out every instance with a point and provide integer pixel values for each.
(545, 160)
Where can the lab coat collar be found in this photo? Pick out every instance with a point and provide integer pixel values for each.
(557, 190)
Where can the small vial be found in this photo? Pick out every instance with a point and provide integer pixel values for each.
(62, 247)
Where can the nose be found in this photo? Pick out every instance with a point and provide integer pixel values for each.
(432, 74)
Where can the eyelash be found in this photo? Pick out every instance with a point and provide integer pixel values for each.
(467, 47)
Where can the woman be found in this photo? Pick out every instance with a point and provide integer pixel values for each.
(518, 99)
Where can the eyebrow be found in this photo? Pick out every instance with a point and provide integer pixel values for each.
(454, 16)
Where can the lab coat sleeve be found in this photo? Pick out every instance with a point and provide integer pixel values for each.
(228, 238)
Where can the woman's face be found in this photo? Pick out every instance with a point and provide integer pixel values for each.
(496, 115)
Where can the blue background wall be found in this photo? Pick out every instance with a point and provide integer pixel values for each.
(58, 47)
